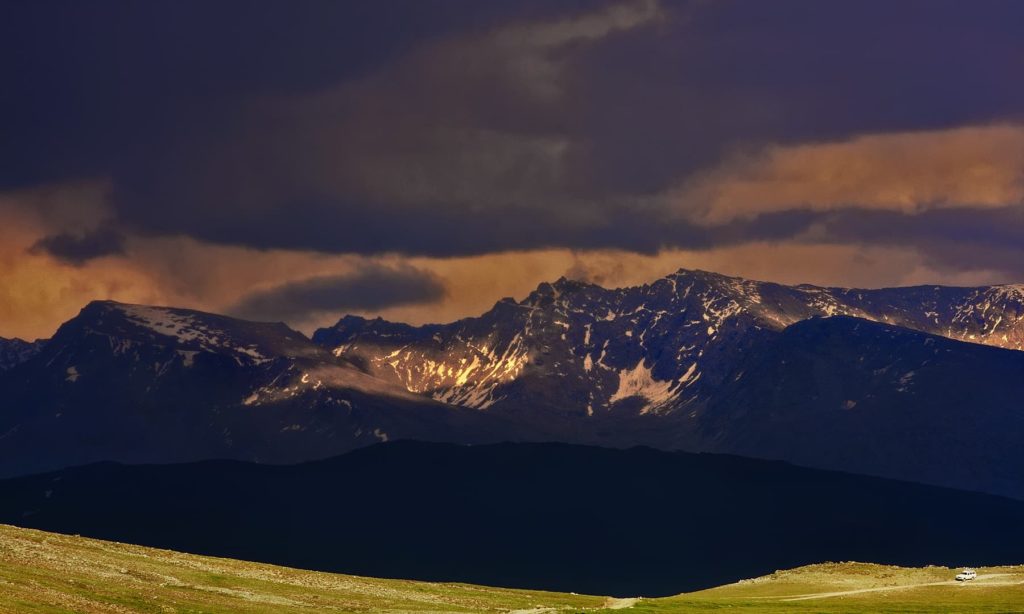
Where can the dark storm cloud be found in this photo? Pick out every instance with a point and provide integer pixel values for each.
(733, 74)
(373, 287)
(436, 231)
(998, 226)
(952, 240)
(78, 249)
(88, 86)
(466, 127)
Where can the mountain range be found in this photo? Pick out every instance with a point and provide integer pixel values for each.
(921, 383)
(149, 384)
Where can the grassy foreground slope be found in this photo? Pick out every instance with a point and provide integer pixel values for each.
(48, 572)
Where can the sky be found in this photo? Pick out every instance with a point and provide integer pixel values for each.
(299, 161)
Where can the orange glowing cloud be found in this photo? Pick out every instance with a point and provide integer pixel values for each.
(907, 172)
(37, 293)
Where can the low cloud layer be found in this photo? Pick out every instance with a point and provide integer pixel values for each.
(372, 288)
(80, 248)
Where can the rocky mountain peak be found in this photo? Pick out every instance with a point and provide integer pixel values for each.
(15, 351)
(659, 347)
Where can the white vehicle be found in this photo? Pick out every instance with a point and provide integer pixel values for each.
(966, 574)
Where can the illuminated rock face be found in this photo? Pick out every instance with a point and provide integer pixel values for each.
(666, 347)
(573, 347)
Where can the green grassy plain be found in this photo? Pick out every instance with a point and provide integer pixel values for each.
(47, 572)
(857, 588)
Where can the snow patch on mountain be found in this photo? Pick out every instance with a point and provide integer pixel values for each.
(189, 330)
(638, 382)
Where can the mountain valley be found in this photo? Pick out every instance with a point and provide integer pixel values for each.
(538, 516)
